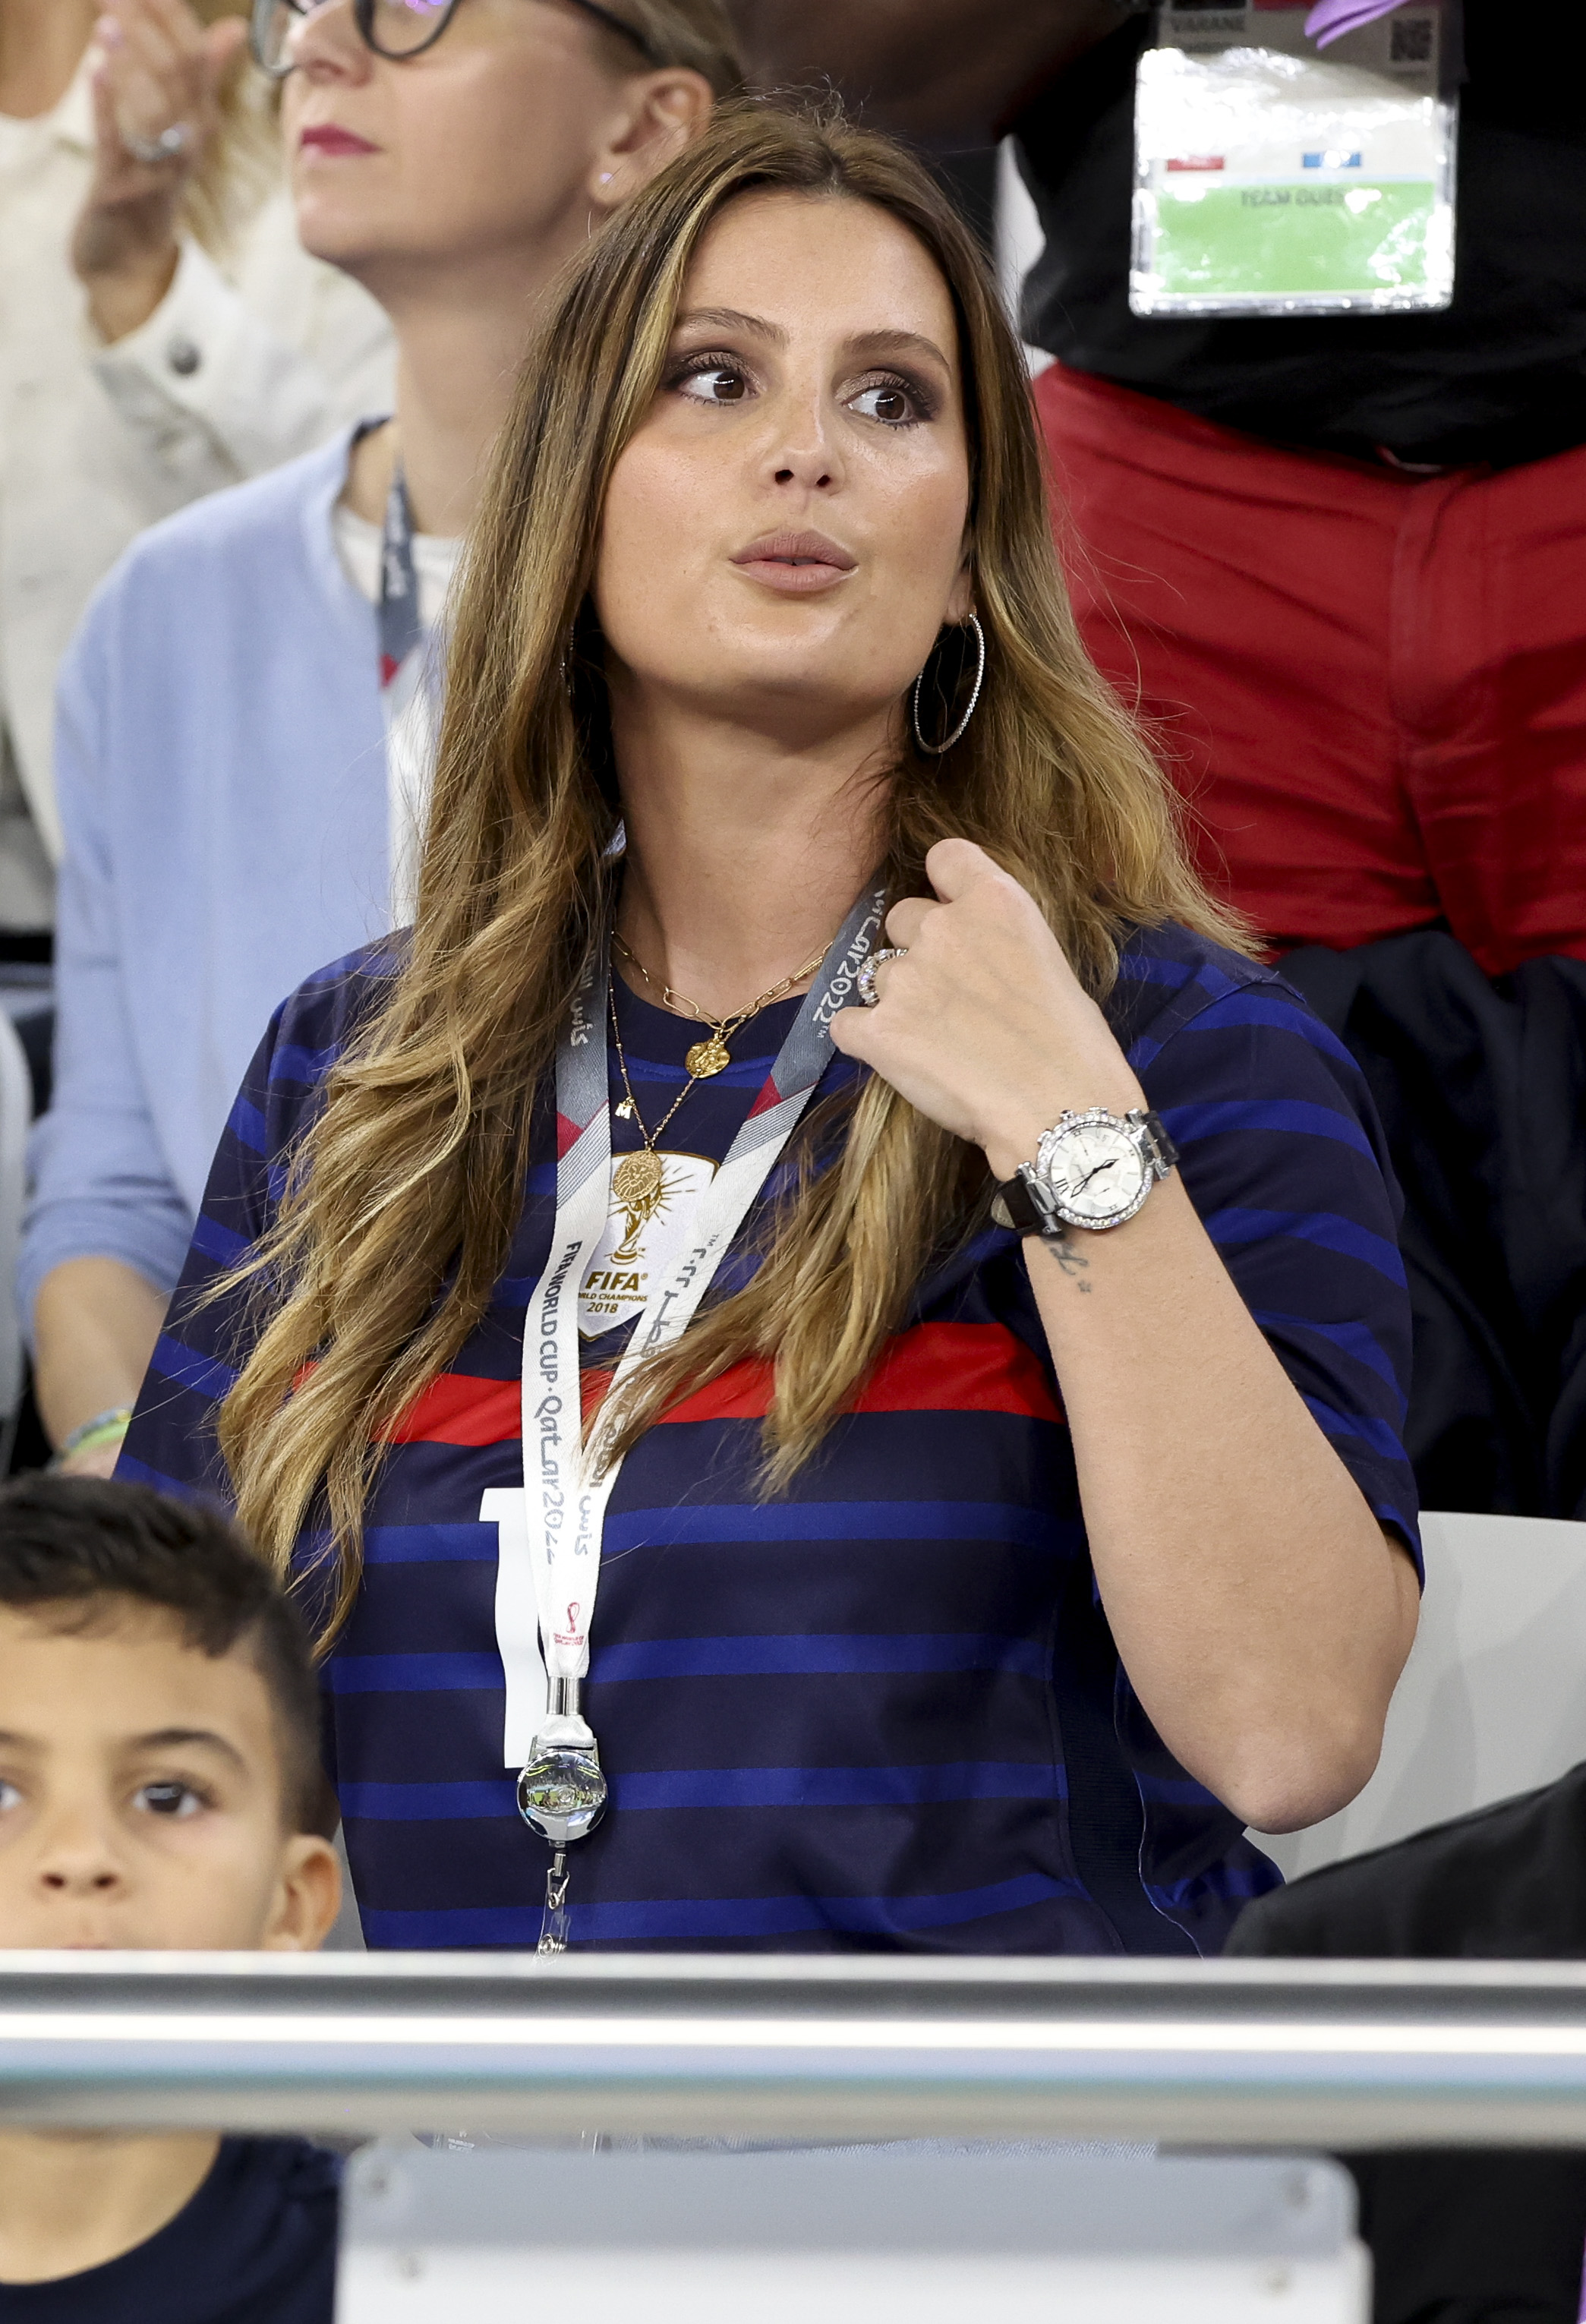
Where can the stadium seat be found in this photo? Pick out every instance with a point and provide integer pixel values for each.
(1493, 1699)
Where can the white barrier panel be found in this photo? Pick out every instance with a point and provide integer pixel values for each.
(1491, 1701)
(893, 2236)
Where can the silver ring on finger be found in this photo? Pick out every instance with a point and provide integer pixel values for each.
(866, 979)
(169, 146)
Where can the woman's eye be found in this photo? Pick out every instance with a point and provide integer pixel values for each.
(889, 401)
(10, 1797)
(168, 1800)
(714, 382)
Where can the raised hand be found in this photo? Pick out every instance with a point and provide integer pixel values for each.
(985, 1027)
(156, 110)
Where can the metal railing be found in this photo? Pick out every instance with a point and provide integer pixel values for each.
(1283, 2053)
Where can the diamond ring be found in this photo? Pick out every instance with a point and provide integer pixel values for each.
(152, 151)
(866, 979)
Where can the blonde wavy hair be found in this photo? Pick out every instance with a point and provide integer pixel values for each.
(403, 1194)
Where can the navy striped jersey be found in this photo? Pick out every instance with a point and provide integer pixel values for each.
(883, 1711)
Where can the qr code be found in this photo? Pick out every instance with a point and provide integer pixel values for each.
(1410, 40)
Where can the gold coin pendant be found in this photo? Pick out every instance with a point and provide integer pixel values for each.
(636, 1178)
(707, 1058)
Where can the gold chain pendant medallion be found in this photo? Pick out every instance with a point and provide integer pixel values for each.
(705, 1059)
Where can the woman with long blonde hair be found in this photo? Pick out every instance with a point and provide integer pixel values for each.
(819, 1334)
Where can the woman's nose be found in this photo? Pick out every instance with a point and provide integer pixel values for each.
(805, 453)
(326, 45)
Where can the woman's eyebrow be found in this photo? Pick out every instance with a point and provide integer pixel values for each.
(897, 343)
(878, 342)
(731, 319)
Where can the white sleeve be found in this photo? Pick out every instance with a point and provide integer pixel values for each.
(230, 377)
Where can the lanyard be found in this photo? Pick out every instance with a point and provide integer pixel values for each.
(561, 1791)
(401, 630)
(409, 699)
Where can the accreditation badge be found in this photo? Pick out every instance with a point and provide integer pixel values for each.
(1275, 178)
(651, 1209)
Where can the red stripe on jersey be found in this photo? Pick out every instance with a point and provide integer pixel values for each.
(456, 1409)
(933, 1368)
(568, 1134)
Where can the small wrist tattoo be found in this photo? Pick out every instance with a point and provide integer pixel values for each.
(1073, 1262)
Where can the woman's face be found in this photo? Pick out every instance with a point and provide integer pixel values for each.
(785, 535)
(489, 146)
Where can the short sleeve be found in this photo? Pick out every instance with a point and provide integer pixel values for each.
(1285, 1162)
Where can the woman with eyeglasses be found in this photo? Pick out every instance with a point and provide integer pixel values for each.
(163, 334)
(825, 1347)
(243, 717)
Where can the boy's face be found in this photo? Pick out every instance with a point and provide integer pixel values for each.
(140, 1794)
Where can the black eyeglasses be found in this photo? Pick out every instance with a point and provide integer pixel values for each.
(396, 29)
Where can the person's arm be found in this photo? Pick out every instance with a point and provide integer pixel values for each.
(105, 1229)
(1261, 1614)
(96, 1321)
(932, 70)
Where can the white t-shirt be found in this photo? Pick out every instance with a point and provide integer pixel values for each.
(435, 560)
(410, 728)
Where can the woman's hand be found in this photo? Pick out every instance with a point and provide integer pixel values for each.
(985, 1027)
(161, 70)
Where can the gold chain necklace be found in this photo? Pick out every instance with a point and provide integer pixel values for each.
(637, 1182)
(709, 1057)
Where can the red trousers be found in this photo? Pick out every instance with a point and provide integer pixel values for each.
(1371, 688)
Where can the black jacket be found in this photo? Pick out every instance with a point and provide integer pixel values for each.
(1490, 2236)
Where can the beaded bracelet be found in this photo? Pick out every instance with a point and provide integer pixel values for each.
(103, 1427)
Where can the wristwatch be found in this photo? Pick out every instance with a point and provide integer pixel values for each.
(1090, 1170)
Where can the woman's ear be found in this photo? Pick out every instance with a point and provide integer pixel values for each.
(960, 596)
(661, 112)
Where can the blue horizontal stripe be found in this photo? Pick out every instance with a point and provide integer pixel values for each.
(430, 1545)
(1376, 1433)
(429, 1802)
(839, 1787)
(1324, 1228)
(1354, 1339)
(725, 1787)
(218, 1242)
(414, 1673)
(1240, 1880)
(1278, 1014)
(187, 1368)
(755, 1521)
(1227, 1117)
(139, 1472)
(247, 1126)
(681, 1921)
(803, 1653)
(291, 1061)
(1151, 968)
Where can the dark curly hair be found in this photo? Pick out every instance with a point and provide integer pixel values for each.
(78, 1546)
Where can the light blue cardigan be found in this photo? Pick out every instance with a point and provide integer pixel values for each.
(221, 765)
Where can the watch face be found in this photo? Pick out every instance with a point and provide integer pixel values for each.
(1096, 1171)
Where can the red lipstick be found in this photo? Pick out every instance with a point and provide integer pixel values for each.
(326, 138)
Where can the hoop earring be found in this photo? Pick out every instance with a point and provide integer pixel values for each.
(937, 749)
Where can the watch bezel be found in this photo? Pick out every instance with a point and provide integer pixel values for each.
(1094, 1117)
